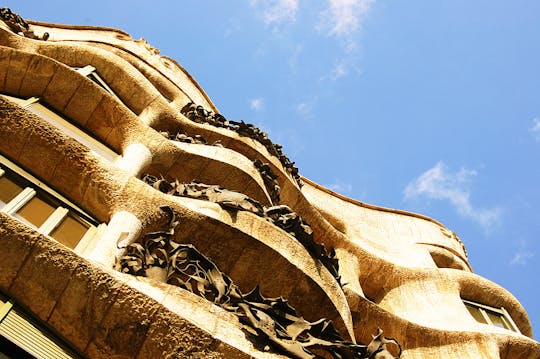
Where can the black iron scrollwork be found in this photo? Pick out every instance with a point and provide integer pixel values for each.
(213, 193)
(271, 323)
(270, 180)
(182, 137)
(288, 220)
(18, 25)
(200, 115)
(282, 216)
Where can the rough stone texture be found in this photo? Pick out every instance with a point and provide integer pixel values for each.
(402, 272)
(15, 250)
(38, 277)
(83, 305)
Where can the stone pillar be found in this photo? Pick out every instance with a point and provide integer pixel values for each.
(124, 228)
(136, 158)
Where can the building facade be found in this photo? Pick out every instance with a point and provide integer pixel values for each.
(137, 222)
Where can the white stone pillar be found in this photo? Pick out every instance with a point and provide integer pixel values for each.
(123, 228)
(136, 158)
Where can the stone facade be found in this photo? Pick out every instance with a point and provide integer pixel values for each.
(186, 187)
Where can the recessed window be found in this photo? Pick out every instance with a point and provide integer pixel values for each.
(91, 72)
(21, 336)
(35, 211)
(42, 210)
(32, 104)
(8, 190)
(497, 317)
(70, 230)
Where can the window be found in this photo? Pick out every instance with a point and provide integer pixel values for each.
(23, 337)
(91, 72)
(497, 317)
(26, 199)
(32, 104)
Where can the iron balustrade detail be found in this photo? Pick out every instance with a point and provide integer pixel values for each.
(270, 323)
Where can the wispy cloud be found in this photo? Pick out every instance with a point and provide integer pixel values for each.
(338, 21)
(535, 129)
(276, 11)
(305, 108)
(522, 255)
(257, 104)
(342, 67)
(338, 71)
(344, 17)
(343, 20)
(440, 184)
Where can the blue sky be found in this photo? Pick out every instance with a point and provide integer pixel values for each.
(427, 106)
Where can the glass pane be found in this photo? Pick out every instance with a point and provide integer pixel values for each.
(475, 312)
(35, 211)
(8, 190)
(99, 81)
(497, 319)
(70, 231)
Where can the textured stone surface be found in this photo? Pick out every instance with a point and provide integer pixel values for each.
(82, 306)
(43, 277)
(15, 249)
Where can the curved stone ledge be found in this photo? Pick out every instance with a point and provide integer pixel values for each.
(383, 230)
(397, 288)
(127, 129)
(419, 341)
(211, 164)
(137, 93)
(223, 325)
(254, 252)
(169, 68)
(99, 315)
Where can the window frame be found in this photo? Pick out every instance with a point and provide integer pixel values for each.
(64, 207)
(500, 312)
(65, 126)
(91, 72)
(29, 334)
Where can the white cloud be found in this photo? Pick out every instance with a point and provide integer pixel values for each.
(344, 17)
(437, 183)
(305, 108)
(276, 11)
(522, 255)
(536, 129)
(343, 20)
(343, 67)
(257, 104)
(338, 71)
